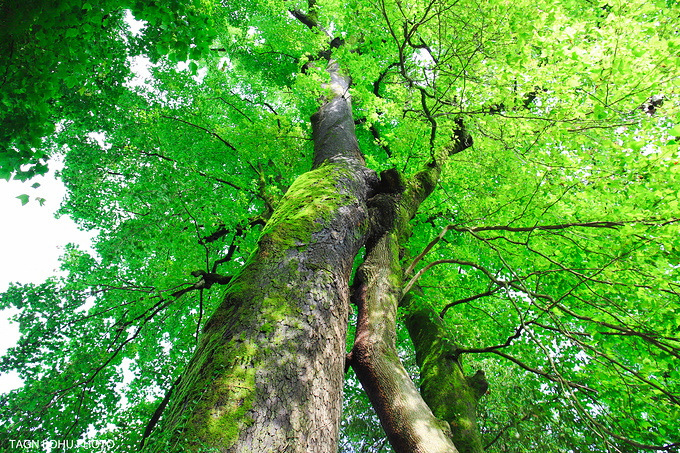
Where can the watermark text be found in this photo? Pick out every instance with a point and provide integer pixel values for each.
(61, 445)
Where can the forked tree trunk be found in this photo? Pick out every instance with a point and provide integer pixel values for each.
(268, 372)
(406, 418)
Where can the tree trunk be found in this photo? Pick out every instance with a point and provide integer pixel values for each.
(406, 418)
(408, 422)
(448, 392)
(267, 374)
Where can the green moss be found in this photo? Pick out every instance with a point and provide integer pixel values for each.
(218, 390)
(225, 423)
(212, 402)
(231, 396)
(305, 209)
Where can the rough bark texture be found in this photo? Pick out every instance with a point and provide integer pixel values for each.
(406, 419)
(267, 374)
(448, 392)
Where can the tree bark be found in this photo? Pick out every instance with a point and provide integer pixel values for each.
(448, 392)
(267, 374)
(406, 418)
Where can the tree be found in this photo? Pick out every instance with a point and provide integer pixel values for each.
(497, 197)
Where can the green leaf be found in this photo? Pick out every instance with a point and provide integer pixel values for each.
(162, 48)
(195, 53)
(600, 112)
(23, 198)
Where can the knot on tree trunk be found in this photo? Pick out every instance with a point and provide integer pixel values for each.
(382, 209)
(384, 204)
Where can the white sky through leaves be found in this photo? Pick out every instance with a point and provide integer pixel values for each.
(31, 240)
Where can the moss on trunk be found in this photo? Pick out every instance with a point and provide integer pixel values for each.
(407, 420)
(268, 372)
(448, 392)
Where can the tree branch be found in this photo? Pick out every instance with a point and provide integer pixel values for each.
(158, 412)
(548, 376)
(214, 134)
(202, 173)
(466, 300)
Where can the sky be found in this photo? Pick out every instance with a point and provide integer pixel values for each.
(31, 241)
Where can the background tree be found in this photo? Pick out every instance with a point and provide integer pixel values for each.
(534, 271)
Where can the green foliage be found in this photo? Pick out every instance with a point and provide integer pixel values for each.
(576, 326)
(57, 55)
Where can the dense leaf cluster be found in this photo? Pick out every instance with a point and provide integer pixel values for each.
(58, 55)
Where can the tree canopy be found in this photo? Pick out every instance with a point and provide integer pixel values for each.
(546, 253)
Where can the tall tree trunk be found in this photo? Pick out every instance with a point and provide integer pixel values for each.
(267, 374)
(406, 418)
(408, 422)
(448, 392)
